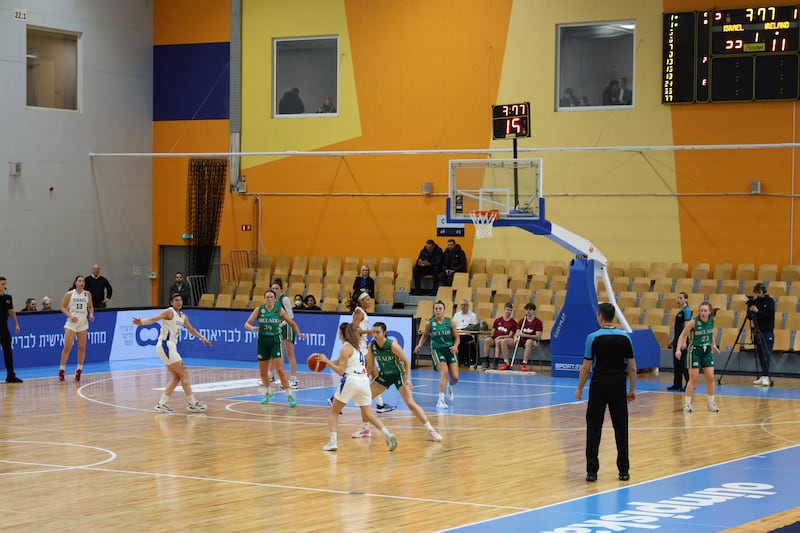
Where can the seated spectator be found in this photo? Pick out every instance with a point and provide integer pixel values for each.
(463, 318)
(291, 103)
(47, 304)
(527, 337)
(364, 283)
(327, 106)
(30, 306)
(568, 100)
(625, 94)
(298, 301)
(503, 328)
(311, 303)
(453, 260)
(429, 263)
(610, 95)
(583, 101)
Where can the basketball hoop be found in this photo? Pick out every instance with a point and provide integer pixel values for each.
(483, 221)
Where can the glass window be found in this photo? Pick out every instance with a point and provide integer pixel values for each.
(52, 58)
(595, 65)
(306, 76)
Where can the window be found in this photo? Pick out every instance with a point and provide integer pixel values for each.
(52, 58)
(306, 76)
(595, 65)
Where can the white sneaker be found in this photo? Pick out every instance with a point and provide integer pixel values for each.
(197, 407)
(293, 384)
(758, 381)
(362, 434)
(687, 407)
(434, 435)
(765, 381)
(164, 408)
(330, 447)
(450, 395)
(713, 407)
(441, 404)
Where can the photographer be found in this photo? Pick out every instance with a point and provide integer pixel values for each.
(761, 310)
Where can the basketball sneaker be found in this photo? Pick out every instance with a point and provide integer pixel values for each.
(267, 397)
(385, 408)
(391, 442)
(197, 407)
(293, 383)
(330, 447)
(78, 374)
(450, 394)
(292, 401)
(434, 435)
(504, 366)
(441, 404)
(687, 407)
(61, 375)
(524, 366)
(757, 381)
(362, 433)
(713, 407)
(164, 408)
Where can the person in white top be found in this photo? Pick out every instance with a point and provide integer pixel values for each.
(359, 303)
(354, 386)
(77, 306)
(172, 321)
(287, 333)
(465, 317)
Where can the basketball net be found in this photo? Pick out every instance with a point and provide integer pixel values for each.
(483, 222)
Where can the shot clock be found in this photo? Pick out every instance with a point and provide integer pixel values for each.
(725, 55)
(511, 120)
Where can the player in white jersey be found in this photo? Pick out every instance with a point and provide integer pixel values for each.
(354, 386)
(172, 321)
(288, 336)
(77, 306)
(360, 303)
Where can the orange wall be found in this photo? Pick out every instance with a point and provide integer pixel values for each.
(422, 75)
(191, 21)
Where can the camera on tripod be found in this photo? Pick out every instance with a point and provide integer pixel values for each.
(750, 302)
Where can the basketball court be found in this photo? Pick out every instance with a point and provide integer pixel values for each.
(512, 456)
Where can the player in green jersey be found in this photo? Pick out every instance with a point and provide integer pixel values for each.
(444, 351)
(389, 366)
(270, 315)
(699, 354)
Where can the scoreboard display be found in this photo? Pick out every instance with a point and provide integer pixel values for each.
(731, 55)
(511, 120)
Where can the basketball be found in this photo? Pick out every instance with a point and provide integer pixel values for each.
(315, 362)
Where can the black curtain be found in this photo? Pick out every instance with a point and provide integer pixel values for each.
(206, 196)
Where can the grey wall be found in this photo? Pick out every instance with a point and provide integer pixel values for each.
(99, 210)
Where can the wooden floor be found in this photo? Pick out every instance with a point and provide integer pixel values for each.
(94, 456)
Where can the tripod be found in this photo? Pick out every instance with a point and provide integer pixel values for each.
(757, 340)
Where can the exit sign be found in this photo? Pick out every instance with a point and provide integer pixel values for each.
(247, 227)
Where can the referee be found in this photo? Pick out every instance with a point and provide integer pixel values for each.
(6, 309)
(609, 356)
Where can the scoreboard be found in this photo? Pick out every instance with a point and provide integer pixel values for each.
(731, 55)
(511, 120)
